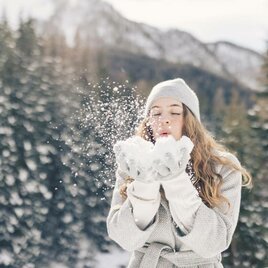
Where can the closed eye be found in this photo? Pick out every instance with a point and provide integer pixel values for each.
(171, 113)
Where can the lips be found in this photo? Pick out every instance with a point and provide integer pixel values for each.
(164, 133)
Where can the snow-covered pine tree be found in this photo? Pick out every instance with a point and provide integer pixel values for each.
(245, 131)
(36, 201)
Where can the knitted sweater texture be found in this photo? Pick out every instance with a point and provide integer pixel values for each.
(163, 244)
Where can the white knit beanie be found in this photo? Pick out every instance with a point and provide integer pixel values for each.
(178, 89)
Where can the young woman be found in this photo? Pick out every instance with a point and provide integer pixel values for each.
(177, 194)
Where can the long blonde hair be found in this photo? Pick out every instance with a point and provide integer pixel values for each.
(203, 157)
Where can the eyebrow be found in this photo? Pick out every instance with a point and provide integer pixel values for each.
(172, 105)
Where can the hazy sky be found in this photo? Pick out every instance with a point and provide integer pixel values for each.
(243, 22)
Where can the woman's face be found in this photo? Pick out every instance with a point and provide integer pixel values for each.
(166, 118)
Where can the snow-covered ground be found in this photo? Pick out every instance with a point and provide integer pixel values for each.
(115, 259)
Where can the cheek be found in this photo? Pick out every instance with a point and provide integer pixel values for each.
(180, 123)
(154, 125)
(178, 126)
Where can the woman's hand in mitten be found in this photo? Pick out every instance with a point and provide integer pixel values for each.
(171, 157)
(170, 171)
(133, 157)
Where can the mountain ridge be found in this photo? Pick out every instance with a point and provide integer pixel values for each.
(100, 24)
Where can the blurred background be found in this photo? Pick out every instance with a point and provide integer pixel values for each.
(74, 75)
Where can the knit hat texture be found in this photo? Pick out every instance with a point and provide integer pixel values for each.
(178, 89)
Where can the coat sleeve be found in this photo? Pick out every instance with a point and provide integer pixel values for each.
(213, 228)
(145, 200)
(120, 222)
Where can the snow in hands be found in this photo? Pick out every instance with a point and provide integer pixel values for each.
(136, 156)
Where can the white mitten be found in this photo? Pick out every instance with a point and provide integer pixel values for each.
(170, 157)
(134, 157)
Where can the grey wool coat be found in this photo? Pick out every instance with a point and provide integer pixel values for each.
(162, 244)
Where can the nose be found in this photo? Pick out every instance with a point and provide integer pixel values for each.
(165, 120)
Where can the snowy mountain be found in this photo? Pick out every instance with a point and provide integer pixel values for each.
(99, 24)
(242, 63)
